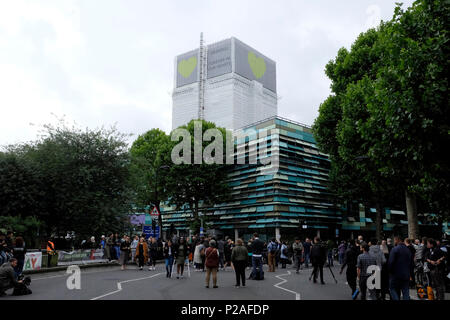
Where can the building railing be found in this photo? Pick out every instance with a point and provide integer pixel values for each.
(273, 118)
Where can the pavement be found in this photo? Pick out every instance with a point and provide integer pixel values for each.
(111, 283)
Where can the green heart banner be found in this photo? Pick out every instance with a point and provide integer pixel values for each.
(257, 65)
(185, 67)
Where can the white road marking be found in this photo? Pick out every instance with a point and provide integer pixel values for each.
(297, 295)
(119, 286)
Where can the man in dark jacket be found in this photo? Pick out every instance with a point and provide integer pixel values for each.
(257, 250)
(7, 277)
(399, 265)
(318, 258)
(350, 260)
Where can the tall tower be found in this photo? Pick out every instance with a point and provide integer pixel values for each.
(202, 80)
(227, 82)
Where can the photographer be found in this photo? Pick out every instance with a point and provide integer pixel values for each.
(7, 276)
(318, 258)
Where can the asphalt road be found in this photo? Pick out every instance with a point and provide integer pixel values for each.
(111, 283)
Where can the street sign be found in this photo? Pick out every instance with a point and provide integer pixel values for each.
(154, 212)
(201, 231)
(148, 231)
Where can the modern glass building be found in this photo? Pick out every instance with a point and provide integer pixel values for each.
(286, 198)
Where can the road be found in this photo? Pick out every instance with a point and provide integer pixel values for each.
(111, 283)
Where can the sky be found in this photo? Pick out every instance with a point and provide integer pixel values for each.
(111, 62)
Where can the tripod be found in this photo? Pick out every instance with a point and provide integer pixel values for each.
(331, 271)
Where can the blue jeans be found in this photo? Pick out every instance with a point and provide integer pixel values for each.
(330, 257)
(169, 263)
(306, 259)
(341, 258)
(117, 248)
(399, 286)
(257, 264)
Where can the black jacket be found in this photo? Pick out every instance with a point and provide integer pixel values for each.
(318, 254)
(257, 246)
(351, 258)
(166, 252)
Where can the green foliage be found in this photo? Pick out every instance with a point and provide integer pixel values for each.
(72, 180)
(386, 124)
(199, 184)
(150, 157)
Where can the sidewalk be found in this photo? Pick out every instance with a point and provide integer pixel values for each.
(82, 266)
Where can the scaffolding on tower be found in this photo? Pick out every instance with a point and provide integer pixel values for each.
(202, 79)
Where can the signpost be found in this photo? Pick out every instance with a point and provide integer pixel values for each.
(148, 229)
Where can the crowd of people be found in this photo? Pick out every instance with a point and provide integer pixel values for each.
(402, 263)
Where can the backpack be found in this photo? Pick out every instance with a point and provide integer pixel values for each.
(273, 247)
(258, 276)
(22, 288)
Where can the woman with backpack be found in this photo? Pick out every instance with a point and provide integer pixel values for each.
(212, 263)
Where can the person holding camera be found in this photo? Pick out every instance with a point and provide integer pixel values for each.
(318, 258)
(7, 276)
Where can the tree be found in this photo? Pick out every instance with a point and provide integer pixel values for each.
(193, 185)
(82, 176)
(409, 122)
(337, 129)
(389, 110)
(150, 158)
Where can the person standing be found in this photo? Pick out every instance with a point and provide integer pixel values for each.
(435, 259)
(212, 263)
(125, 252)
(19, 252)
(227, 251)
(153, 247)
(318, 257)
(110, 247)
(257, 249)
(350, 261)
(134, 244)
(341, 252)
(117, 244)
(238, 261)
(384, 271)
(168, 253)
(221, 248)
(51, 251)
(199, 253)
(284, 254)
(141, 253)
(297, 247)
(399, 265)
(363, 262)
(377, 254)
(307, 248)
(330, 247)
(272, 249)
(181, 251)
(409, 245)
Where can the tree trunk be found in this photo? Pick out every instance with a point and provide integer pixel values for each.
(379, 221)
(411, 208)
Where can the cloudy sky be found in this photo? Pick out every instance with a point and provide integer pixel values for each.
(105, 62)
